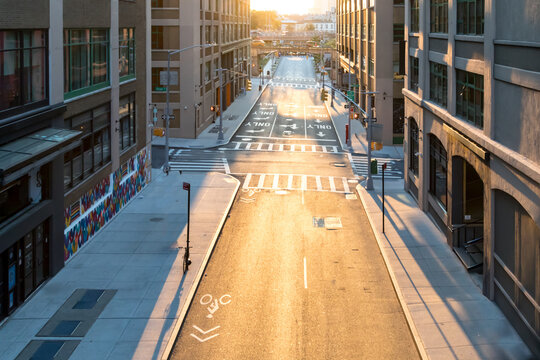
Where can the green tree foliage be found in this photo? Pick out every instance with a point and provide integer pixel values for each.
(261, 19)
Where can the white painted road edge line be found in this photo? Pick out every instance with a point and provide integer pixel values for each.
(414, 331)
(176, 330)
(305, 273)
(226, 166)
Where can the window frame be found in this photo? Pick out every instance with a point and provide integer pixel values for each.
(415, 16)
(414, 147)
(438, 156)
(130, 44)
(131, 118)
(463, 21)
(438, 16)
(23, 106)
(467, 86)
(438, 77)
(414, 64)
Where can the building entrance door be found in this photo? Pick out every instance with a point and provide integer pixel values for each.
(468, 215)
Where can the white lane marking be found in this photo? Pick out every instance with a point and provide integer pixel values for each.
(261, 180)
(305, 123)
(292, 147)
(304, 182)
(324, 149)
(305, 273)
(237, 146)
(345, 185)
(270, 147)
(204, 333)
(281, 138)
(289, 182)
(313, 148)
(226, 166)
(319, 185)
(280, 147)
(274, 123)
(248, 146)
(276, 180)
(207, 331)
(334, 149)
(332, 185)
(260, 146)
(303, 147)
(246, 181)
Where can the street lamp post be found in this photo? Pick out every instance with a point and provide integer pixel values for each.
(369, 181)
(220, 133)
(167, 109)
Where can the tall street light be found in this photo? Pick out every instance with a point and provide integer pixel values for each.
(168, 113)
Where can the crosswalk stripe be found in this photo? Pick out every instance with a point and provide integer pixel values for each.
(292, 147)
(303, 147)
(246, 181)
(324, 149)
(276, 181)
(271, 147)
(280, 147)
(304, 182)
(345, 185)
(226, 166)
(248, 146)
(332, 185)
(237, 146)
(313, 148)
(319, 185)
(260, 146)
(289, 183)
(261, 181)
(334, 149)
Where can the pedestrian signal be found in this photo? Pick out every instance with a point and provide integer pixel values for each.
(249, 85)
(214, 108)
(324, 95)
(159, 131)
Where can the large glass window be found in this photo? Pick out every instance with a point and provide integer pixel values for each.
(470, 17)
(157, 37)
(439, 16)
(438, 83)
(94, 150)
(23, 68)
(371, 67)
(127, 116)
(470, 97)
(437, 170)
(413, 146)
(126, 59)
(399, 32)
(413, 73)
(86, 60)
(415, 16)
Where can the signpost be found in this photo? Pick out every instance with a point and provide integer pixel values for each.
(383, 170)
(186, 186)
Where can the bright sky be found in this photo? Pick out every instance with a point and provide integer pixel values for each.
(283, 6)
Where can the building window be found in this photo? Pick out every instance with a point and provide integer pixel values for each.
(415, 15)
(127, 53)
(371, 34)
(470, 17)
(14, 197)
(94, 150)
(470, 97)
(437, 170)
(157, 3)
(439, 16)
(23, 69)
(413, 147)
(438, 83)
(157, 37)
(363, 62)
(371, 67)
(207, 71)
(413, 74)
(86, 60)
(399, 32)
(127, 116)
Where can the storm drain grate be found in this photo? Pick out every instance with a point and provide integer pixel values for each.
(65, 328)
(88, 300)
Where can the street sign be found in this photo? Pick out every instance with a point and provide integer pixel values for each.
(350, 95)
(159, 88)
(186, 186)
(164, 117)
(173, 78)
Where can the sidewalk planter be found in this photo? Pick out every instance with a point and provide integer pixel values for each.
(86, 216)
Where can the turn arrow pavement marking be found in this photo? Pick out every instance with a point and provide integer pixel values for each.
(321, 134)
(204, 333)
(255, 131)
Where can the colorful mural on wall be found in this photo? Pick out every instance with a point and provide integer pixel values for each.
(92, 211)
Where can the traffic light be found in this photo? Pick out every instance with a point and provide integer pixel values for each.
(249, 85)
(159, 131)
(356, 116)
(324, 95)
(214, 108)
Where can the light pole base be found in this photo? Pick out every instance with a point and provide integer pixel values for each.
(369, 183)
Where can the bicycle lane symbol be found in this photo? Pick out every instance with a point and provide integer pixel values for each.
(213, 306)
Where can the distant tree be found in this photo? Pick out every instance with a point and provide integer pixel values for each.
(261, 20)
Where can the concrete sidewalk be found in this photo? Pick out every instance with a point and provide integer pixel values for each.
(448, 315)
(137, 256)
(359, 145)
(232, 119)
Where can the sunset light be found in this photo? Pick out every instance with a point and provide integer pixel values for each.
(283, 6)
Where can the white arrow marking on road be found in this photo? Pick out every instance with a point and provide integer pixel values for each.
(255, 131)
(263, 118)
(293, 126)
(204, 333)
(321, 134)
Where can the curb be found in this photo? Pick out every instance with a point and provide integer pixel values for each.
(414, 331)
(198, 277)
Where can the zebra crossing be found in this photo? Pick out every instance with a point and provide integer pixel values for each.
(262, 146)
(177, 163)
(297, 86)
(393, 170)
(336, 184)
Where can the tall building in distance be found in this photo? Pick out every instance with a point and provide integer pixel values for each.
(180, 24)
(472, 152)
(73, 109)
(368, 49)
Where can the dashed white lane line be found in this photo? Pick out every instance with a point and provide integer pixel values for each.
(305, 273)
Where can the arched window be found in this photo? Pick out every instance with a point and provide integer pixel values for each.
(413, 146)
(438, 165)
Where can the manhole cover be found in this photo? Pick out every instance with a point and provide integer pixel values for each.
(318, 222)
(156, 219)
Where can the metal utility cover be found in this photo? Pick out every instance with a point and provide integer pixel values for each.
(65, 328)
(89, 299)
(332, 223)
(318, 222)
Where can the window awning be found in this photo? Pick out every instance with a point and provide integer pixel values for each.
(24, 152)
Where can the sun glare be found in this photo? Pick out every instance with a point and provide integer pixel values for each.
(283, 6)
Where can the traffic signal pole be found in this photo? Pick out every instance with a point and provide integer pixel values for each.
(220, 133)
(369, 181)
